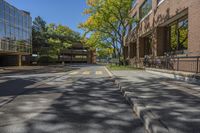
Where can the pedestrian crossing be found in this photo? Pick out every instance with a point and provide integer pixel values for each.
(98, 73)
(73, 73)
(86, 73)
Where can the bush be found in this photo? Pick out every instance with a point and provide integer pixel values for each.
(45, 60)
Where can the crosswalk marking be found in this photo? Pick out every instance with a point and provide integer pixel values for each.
(73, 73)
(86, 73)
(98, 73)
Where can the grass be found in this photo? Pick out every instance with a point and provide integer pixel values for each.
(117, 67)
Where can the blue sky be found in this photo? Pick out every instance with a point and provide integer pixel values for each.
(66, 12)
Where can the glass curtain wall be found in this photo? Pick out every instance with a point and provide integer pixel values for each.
(15, 29)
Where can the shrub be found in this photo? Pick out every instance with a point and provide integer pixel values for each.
(45, 60)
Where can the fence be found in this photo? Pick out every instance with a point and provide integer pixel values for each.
(186, 63)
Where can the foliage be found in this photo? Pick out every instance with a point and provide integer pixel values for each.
(120, 67)
(60, 37)
(50, 39)
(38, 34)
(47, 60)
(110, 19)
(179, 35)
(96, 42)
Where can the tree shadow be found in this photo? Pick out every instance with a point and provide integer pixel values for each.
(177, 109)
(85, 105)
(37, 70)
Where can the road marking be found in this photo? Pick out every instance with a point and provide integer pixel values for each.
(109, 73)
(98, 73)
(86, 73)
(73, 73)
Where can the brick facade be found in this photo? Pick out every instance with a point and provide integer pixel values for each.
(156, 23)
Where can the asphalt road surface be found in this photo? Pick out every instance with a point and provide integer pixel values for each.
(81, 100)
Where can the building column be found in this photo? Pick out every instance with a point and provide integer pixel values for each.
(140, 43)
(154, 43)
(159, 41)
(194, 28)
(19, 60)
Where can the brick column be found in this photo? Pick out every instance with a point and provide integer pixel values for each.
(139, 51)
(154, 42)
(194, 28)
(140, 47)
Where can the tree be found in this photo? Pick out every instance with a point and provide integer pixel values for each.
(61, 37)
(96, 42)
(39, 40)
(112, 19)
(50, 39)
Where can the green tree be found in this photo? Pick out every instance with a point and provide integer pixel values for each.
(60, 37)
(98, 42)
(39, 40)
(112, 19)
(50, 39)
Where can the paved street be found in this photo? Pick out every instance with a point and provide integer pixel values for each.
(76, 100)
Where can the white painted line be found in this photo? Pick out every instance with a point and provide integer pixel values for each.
(73, 73)
(86, 73)
(109, 73)
(98, 73)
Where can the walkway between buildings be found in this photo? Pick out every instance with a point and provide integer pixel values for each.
(165, 105)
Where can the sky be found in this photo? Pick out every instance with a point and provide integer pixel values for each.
(66, 12)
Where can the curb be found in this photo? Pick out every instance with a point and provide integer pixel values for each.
(152, 123)
(186, 77)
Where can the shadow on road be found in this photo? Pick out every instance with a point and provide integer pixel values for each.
(88, 105)
(27, 70)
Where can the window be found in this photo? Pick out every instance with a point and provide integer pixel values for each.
(2, 30)
(134, 3)
(145, 8)
(134, 24)
(159, 1)
(15, 26)
(7, 31)
(1, 10)
(179, 35)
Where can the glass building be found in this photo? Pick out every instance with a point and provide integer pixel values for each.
(15, 31)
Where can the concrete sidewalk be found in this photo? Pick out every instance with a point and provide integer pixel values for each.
(164, 105)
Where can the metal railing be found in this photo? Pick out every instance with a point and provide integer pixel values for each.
(183, 63)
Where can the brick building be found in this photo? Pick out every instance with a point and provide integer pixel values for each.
(165, 28)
